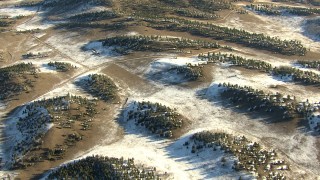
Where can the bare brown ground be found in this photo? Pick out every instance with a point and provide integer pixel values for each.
(318, 147)
(41, 84)
(103, 127)
(184, 128)
(250, 18)
(127, 79)
(203, 81)
(13, 46)
(310, 55)
(150, 31)
(248, 72)
(132, 81)
(138, 62)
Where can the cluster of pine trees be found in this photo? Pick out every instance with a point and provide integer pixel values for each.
(156, 117)
(251, 157)
(304, 77)
(100, 167)
(10, 76)
(254, 40)
(63, 111)
(123, 44)
(61, 66)
(100, 86)
(280, 10)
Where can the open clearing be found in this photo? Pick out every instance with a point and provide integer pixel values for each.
(169, 73)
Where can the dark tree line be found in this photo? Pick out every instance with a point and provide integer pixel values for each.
(100, 86)
(94, 16)
(100, 167)
(9, 79)
(254, 40)
(313, 2)
(195, 14)
(61, 66)
(304, 77)
(123, 44)
(310, 64)
(285, 106)
(156, 117)
(281, 10)
(63, 3)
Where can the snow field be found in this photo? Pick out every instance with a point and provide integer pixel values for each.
(16, 11)
(73, 49)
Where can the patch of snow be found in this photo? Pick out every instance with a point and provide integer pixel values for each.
(264, 82)
(310, 27)
(45, 68)
(288, 27)
(42, 64)
(178, 61)
(97, 48)
(16, 11)
(268, 58)
(286, 78)
(95, 9)
(284, 27)
(8, 174)
(85, 8)
(40, 34)
(233, 76)
(69, 87)
(302, 68)
(24, 136)
(133, 33)
(78, 51)
(37, 23)
(161, 70)
(2, 106)
(167, 156)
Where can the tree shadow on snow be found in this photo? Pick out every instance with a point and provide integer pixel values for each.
(207, 163)
(274, 119)
(310, 29)
(98, 49)
(165, 73)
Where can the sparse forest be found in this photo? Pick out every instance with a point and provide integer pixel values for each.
(156, 117)
(61, 66)
(310, 64)
(297, 75)
(159, 89)
(100, 86)
(53, 3)
(67, 112)
(15, 79)
(259, 41)
(125, 44)
(99, 167)
(251, 156)
(282, 10)
(190, 72)
(94, 16)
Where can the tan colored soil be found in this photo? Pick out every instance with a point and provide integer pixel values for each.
(103, 126)
(42, 85)
(127, 79)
